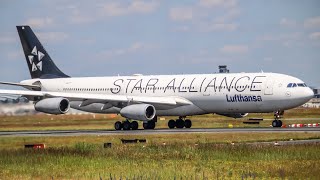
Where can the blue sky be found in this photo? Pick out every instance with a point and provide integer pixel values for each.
(102, 38)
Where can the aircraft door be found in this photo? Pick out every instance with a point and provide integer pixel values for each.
(268, 89)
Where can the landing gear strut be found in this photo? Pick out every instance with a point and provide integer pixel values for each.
(180, 123)
(126, 125)
(277, 122)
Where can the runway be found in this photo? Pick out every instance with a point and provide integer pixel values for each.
(152, 132)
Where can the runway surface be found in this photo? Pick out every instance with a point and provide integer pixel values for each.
(152, 132)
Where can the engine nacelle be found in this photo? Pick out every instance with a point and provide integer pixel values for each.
(234, 115)
(53, 106)
(143, 112)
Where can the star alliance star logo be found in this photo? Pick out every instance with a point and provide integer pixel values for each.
(39, 55)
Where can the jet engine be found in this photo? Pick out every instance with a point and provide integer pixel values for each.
(143, 112)
(53, 106)
(234, 115)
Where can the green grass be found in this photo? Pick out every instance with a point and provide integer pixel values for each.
(153, 161)
(200, 156)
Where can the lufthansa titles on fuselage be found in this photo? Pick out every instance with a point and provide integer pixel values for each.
(243, 98)
(187, 84)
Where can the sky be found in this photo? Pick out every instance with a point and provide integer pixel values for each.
(106, 38)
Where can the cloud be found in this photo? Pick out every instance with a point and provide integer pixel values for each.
(286, 39)
(52, 37)
(181, 13)
(268, 59)
(142, 6)
(79, 19)
(15, 54)
(287, 22)
(40, 22)
(133, 48)
(184, 28)
(315, 36)
(218, 27)
(202, 17)
(218, 3)
(229, 15)
(280, 37)
(116, 8)
(313, 22)
(7, 39)
(81, 14)
(234, 49)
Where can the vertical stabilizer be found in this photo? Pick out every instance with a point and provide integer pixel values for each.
(39, 62)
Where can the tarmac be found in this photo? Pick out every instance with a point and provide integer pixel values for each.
(154, 131)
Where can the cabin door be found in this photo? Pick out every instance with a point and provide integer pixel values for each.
(268, 89)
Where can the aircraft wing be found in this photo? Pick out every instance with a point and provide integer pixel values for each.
(171, 101)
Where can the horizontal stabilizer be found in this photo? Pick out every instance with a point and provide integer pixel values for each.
(28, 86)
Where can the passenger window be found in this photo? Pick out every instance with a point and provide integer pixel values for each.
(289, 85)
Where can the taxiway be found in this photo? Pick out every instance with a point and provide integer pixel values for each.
(152, 132)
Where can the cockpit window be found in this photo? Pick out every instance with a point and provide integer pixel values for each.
(293, 85)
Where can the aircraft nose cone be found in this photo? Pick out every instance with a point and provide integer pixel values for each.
(306, 95)
(309, 94)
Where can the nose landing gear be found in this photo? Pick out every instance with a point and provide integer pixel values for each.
(277, 122)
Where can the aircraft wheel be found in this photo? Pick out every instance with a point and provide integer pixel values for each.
(276, 123)
(187, 123)
(171, 124)
(126, 125)
(145, 125)
(279, 123)
(179, 123)
(118, 125)
(151, 124)
(134, 125)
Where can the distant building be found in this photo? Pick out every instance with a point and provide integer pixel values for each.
(13, 100)
(314, 102)
(223, 69)
(316, 92)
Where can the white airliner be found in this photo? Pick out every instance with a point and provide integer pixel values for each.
(144, 98)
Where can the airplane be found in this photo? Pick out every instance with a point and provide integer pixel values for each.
(144, 98)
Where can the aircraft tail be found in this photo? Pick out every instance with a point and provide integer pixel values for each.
(39, 62)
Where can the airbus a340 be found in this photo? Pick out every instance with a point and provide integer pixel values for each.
(144, 98)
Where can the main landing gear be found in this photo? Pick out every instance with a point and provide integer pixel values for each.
(180, 123)
(126, 125)
(133, 125)
(277, 122)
